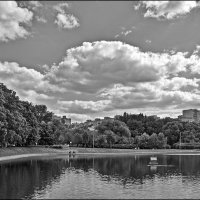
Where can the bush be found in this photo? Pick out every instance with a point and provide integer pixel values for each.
(118, 146)
(57, 147)
(167, 146)
(124, 146)
(187, 146)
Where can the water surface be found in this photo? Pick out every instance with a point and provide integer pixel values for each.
(175, 176)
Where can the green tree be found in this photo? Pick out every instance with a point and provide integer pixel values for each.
(172, 131)
(85, 137)
(153, 141)
(136, 127)
(77, 139)
(110, 137)
(143, 141)
(101, 140)
(162, 141)
(33, 137)
(3, 133)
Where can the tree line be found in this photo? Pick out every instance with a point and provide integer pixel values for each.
(25, 124)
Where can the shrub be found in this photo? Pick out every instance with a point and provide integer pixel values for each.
(187, 146)
(57, 147)
(124, 146)
(167, 146)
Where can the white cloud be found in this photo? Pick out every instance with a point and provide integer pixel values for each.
(28, 83)
(30, 5)
(105, 77)
(177, 83)
(166, 9)
(154, 95)
(66, 21)
(117, 90)
(148, 41)
(63, 19)
(61, 7)
(117, 35)
(41, 19)
(35, 4)
(196, 51)
(120, 76)
(101, 64)
(34, 96)
(37, 8)
(11, 19)
(126, 32)
(84, 106)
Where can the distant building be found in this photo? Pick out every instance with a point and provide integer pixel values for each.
(88, 122)
(63, 119)
(191, 115)
(66, 121)
(97, 121)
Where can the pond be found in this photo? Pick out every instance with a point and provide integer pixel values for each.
(175, 176)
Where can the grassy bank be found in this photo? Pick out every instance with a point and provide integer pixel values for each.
(104, 151)
(15, 152)
(10, 151)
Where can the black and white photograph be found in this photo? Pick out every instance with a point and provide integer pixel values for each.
(99, 99)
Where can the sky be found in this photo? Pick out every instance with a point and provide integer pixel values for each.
(89, 59)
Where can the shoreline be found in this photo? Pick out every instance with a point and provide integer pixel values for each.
(16, 153)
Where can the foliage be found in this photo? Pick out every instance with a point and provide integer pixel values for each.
(100, 141)
(172, 131)
(20, 121)
(110, 137)
(116, 126)
(24, 124)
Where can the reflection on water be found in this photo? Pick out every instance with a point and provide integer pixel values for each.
(101, 177)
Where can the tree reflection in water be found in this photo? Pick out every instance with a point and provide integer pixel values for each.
(21, 179)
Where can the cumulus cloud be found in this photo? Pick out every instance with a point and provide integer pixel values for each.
(35, 4)
(41, 19)
(37, 8)
(114, 75)
(196, 51)
(30, 5)
(117, 90)
(148, 41)
(177, 83)
(93, 66)
(28, 83)
(155, 95)
(84, 106)
(12, 19)
(125, 31)
(64, 20)
(61, 7)
(108, 76)
(167, 9)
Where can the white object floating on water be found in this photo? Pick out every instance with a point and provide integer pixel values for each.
(153, 158)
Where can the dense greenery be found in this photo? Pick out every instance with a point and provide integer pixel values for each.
(25, 124)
